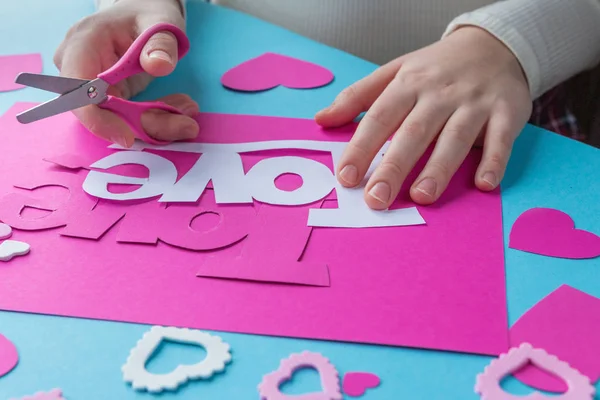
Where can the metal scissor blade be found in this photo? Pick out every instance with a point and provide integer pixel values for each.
(66, 102)
(55, 84)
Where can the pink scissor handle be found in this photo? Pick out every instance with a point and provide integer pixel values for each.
(131, 112)
(129, 64)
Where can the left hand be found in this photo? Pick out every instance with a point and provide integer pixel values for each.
(463, 89)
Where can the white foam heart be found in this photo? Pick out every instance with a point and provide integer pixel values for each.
(5, 231)
(13, 248)
(135, 372)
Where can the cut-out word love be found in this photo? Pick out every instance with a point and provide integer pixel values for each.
(222, 165)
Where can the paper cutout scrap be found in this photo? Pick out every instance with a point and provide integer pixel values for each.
(330, 381)
(135, 372)
(258, 262)
(355, 384)
(565, 323)
(5, 231)
(54, 394)
(10, 249)
(552, 233)
(426, 300)
(270, 70)
(13, 65)
(489, 387)
(69, 161)
(9, 356)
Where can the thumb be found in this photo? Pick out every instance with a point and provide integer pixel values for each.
(159, 56)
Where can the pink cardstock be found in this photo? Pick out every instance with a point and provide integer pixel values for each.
(13, 65)
(9, 357)
(270, 70)
(552, 233)
(565, 324)
(427, 286)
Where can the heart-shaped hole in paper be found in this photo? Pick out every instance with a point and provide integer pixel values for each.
(305, 380)
(511, 385)
(169, 354)
(30, 213)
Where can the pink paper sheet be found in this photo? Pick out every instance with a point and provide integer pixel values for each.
(428, 286)
(552, 233)
(566, 324)
(13, 65)
(270, 70)
(9, 357)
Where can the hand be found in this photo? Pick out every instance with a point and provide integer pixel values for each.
(95, 44)
(465, 89)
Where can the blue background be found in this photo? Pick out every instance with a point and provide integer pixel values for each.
(84, 357)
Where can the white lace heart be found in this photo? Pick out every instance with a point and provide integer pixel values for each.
(12, 248)
(135, 372)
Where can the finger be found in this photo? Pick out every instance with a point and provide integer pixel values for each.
(409, 143)
(502, 130)
(452, 147)
(106, 125)
(358, 97)
(379, 123)
(159, 56)
(167, 126)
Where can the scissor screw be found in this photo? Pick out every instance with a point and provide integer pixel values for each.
(92, 93)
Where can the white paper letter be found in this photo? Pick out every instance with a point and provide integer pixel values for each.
(317, 180)
(353, 212)
(226, 171)
(162, 176)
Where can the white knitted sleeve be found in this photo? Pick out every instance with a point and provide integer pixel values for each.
(100, 4)
(552, 39)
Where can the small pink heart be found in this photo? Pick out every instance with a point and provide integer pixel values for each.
(552, 233)
(9, 357)
(356, 383)
(271, 70)
(330, 382)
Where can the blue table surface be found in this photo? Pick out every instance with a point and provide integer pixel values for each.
(84, 357)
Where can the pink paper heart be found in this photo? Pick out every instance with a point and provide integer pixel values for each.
(271, 70)
(356, 383)
(552, 233)
(269, 387)
(488, 382)
(9, 357)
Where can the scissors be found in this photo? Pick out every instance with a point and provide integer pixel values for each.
(76, 93)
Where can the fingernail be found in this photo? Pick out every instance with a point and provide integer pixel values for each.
(121, 141)
(381, 192)
(190, 131)
(490, 178)
(161, 55)
(349, 174)
(427, 186)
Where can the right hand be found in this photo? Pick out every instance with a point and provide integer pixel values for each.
(96, 42)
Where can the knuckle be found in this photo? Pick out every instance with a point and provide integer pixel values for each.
(413, 129)
(439, 168)
(359, 151)
(461, 134)
(379, 116)
(392, 168)
(163, 41)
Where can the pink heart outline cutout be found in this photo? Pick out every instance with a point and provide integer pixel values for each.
(54, 394)
(488, 383)
(355, 384)
(550, 232)
(330, 382)
(270, 70)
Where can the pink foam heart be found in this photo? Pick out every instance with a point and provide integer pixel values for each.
(552, 233)
(488, 383)
(330, 382)
(271, 70)
(9, 357)
(356, 383)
